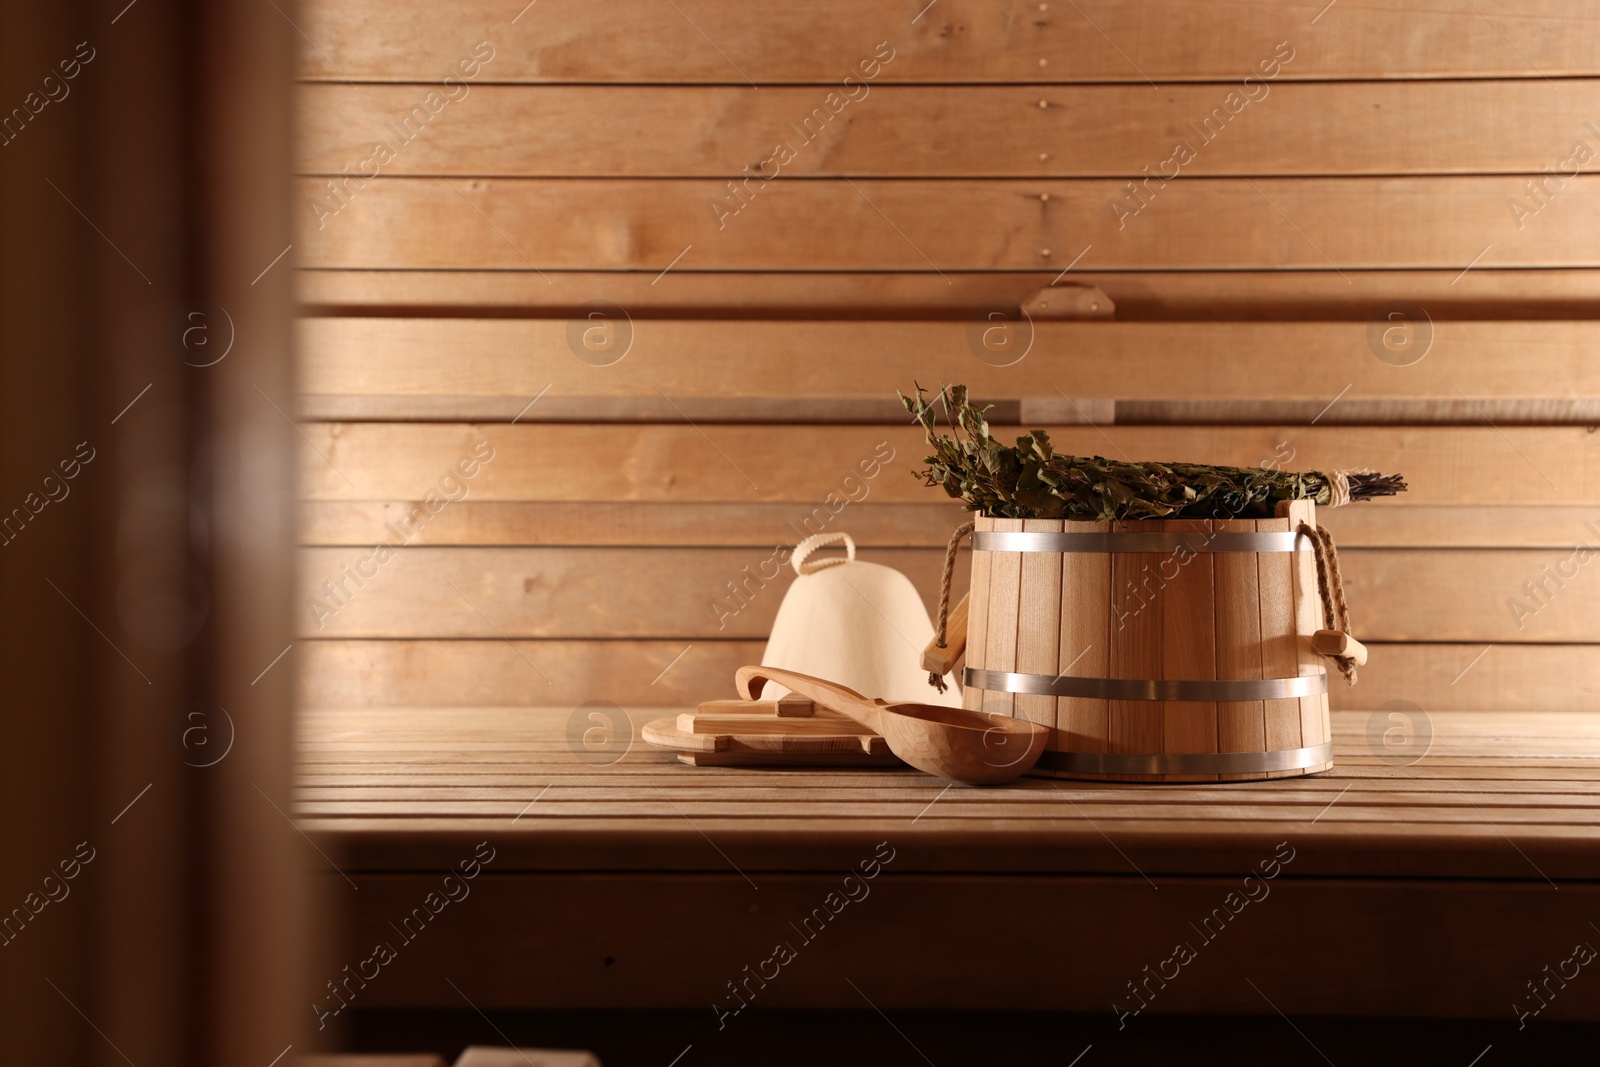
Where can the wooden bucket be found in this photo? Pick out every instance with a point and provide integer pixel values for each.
(1157, 649)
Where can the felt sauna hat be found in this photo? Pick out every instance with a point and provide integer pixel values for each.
(860, 624)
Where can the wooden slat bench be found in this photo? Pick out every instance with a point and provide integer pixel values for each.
(1440, 888)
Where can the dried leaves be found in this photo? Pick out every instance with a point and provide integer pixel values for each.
(1031, 481)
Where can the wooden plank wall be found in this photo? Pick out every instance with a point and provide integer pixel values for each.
(604, 302)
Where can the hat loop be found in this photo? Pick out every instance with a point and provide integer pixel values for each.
(803, 550)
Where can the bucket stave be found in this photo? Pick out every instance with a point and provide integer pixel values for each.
(1157, 650)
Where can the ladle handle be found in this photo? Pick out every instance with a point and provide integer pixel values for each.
(829, 694)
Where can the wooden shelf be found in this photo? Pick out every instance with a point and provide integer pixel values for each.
(1429, 889)
(1497, 796)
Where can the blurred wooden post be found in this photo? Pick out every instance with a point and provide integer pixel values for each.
(150, 189)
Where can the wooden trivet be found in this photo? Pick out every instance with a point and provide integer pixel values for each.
(790, 731)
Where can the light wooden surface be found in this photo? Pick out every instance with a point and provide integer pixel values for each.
(980, 566)
(486, 1056)
(903, 224)
(392, 789)
(1164, 616)
(749, 733)
(1413, 156)
(953, 131)
(952, 744)
(802, 464)
(567, 592)
(1337, 643)
(1039, 625)
(719, 41)
(610, 593)
(1002, 630)
(1237, 628)
(394, 672)
(1310, 612)
(1189, 644)
(1085, 643)
(1135, 647)
(1390, 864)
(900, 525)
(752, 360)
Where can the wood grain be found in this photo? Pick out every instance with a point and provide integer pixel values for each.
(893, 224)
(1310, 612)
(1276, 573)
(640, 523)
(1394, 594)
(1003, 638)
(565, 592)
(1380, 411)
(1484, 593)
(928, 525)
(951, 131)
(1083, 723)
(1039, 624)
(421, 359)
(1137, 648)
(1189, 644)
(472, 770)
(716, 41)
(583, 557)
(1508, 679)
(978, 617)
(1241, 724)
(389, 673)
(800, 464)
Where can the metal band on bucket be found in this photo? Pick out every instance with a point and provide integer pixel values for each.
(1290, 759)
(1305, 685)
(1040, 541)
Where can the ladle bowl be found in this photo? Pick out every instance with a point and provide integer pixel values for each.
(973, 747)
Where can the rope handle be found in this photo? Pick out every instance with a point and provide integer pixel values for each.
(936, 679)
(1330, 587)
(802, 552)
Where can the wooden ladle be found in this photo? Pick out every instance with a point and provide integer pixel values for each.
(975, 747)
